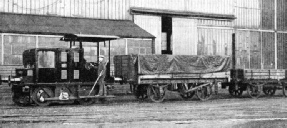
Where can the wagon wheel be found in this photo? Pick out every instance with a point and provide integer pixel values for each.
(156, 93)
(88, 101)
(204, 93)
(188, 95)
(254, 90)
(140, 92)
(269, 91)
(284, 89)
(20, 99)
(235, 92)
(39, 95)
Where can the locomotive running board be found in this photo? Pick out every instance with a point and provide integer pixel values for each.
(107, 96)
(81, 97)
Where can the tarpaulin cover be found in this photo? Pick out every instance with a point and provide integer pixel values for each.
(171, 64)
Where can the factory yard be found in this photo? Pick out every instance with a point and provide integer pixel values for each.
(126, 111)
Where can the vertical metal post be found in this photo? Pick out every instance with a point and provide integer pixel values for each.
(2, 50)
(81, 44)
(153, 46)
(71, 43)
(233, 51)
(109, 63)
(126, 48)
(275, 34)
(109, 51)
(98, 52)
(261, 50)
(37, 41)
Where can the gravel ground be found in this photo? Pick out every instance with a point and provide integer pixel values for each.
(125, 111)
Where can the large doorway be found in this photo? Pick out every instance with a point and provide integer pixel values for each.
(166, 42)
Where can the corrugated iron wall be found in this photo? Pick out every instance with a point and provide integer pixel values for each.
(110, 9)
(282, 15)
(159, 4)
(242, 49)
(248, 13)
(255, 14)
(282, 50)
(214, 23)
(184, 36)
(213, 41)
(151, 24)
(255, 50)
(268, 50)
(210, 6)
(1, 48)
(101, 9)
(268, 14)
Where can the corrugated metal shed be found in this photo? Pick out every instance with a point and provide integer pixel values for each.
(160, 4)
(248, 13)
(1, 39)
(282, 15)
(212, 41)
(282, 51)
(247, 17)
(216, 23)
(35, 24)
(268, 14)
(268, 50)
(101, 9)
(255, 50)
(242, 49)
(210, 6)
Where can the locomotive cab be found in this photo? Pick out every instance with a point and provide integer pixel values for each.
(50, 65)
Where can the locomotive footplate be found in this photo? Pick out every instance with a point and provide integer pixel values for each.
(80, 97)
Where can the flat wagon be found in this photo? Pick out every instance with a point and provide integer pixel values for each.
(150, 76)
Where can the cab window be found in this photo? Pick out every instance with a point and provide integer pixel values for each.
(46, 59)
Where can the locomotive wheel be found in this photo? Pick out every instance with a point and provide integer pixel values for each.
(156, 93)
(254, 90)
(204, 93)
(140, 92)
(284, 89)
(20, 100)
(88, 101)
(40, 93)
(188, 95)
(235, 92)
(269, 91)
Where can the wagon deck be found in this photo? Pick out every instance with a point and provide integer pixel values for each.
(184, 78)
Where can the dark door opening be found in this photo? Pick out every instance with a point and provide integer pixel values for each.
(166, 42)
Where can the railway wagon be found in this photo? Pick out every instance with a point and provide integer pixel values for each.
(150, 76)
(254, 81)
